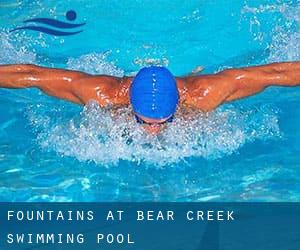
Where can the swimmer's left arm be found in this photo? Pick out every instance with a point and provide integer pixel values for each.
(252, 80)
(207, 92)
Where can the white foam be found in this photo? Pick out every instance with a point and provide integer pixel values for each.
(95, 63)
(285, 44)
(106, 136)
(12, 51)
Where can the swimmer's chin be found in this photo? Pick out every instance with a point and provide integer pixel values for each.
(153, 129)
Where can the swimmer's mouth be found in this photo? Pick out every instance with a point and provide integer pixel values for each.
(141, 121)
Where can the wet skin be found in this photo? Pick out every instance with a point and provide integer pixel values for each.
(203, 92)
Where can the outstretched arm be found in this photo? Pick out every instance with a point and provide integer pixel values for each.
(252, 80)
(70, 85)
(209, 91)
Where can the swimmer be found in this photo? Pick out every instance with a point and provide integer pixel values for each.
(154, 93)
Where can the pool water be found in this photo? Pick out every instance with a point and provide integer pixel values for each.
(248, 150)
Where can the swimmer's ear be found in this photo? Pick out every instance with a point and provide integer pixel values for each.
(196, 71)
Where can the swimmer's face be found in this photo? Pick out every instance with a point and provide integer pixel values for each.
(153, 126)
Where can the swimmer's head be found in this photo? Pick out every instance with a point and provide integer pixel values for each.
(154, 95)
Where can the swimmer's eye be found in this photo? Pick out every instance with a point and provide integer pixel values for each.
(141, 121)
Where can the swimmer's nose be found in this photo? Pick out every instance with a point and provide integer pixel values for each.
(153, 129)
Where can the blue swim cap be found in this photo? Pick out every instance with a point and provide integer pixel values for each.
(154, 93)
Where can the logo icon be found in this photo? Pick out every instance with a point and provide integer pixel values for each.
(57, 28)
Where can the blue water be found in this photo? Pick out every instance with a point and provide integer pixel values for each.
(248, 150)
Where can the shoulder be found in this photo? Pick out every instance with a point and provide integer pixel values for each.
(102, 88)
(193, 87)
(206, 92)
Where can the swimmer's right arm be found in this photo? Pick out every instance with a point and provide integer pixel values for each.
(54, 82)
(74, 86)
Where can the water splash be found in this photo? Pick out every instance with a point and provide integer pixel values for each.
(285, 35)
(95, 63)
(106, 136)
(12, 51)
(285, 45)
(264, 8)
(143, 62)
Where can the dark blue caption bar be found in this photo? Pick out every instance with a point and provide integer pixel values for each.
(205, 226)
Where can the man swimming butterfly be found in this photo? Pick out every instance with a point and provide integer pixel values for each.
(154, 93)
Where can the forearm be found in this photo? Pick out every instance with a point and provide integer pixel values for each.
(54, 82)
(252, 80)
(280, 74)
(17, 76)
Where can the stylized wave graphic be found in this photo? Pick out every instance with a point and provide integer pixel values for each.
(70, 15)
(54, 23)
(48, 31)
